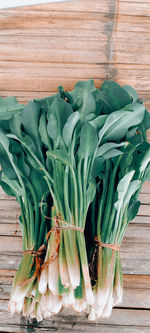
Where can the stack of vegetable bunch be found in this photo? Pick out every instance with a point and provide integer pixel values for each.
(75, 162)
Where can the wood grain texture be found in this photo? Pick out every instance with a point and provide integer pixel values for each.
(45, 46)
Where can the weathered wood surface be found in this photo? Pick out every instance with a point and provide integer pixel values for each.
(45, 46)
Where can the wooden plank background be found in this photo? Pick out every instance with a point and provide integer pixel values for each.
(42, 47)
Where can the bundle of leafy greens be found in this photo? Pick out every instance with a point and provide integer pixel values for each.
(75, 162)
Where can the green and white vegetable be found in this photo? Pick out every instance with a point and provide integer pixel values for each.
(75, 162)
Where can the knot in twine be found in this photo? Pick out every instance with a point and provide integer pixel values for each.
(93, 264)
(115, 247)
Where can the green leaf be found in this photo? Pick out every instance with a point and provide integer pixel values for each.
(39, 183)
(133, 210)
(88, 141)
(131, 133)
(91, 192)
(7, 189)
(6, 157)
(30, 120)
(27, 143)
(52, 126)
(89, 117)
(98, 122)
(10, 186)
(113, 97)
(19, 158)
(70, 126)
(122, 189)
(145, 161)
(43, 130)
(112, 153)
(132, 189)
(108, 146)
(97, 167)
(147, 174)
(88, 105)
(25, 140)
(45, 103)
(60, 110)
(78, 92)
(119, 122)
(132, 93)
(146, 120)
(9, 106)
(15, 124)
(60, 156)
(99, 102)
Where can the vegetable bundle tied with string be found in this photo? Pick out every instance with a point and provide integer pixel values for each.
(75, 162)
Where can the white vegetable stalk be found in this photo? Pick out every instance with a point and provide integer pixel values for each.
(43, 281)
(104, 289)
(53, 303)
(118, 283)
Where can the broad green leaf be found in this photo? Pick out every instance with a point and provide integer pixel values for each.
(39, 183)
(132, 93)
(45, 103)
(30, 120)
(99, 102)
(6, 157)
(145, 161)
(108, 146)
(20, 161)
(25, 140)
(131, 133)
(88, 141)
(9, 106)
(132, 189)
(127, 159)
(133, 210)
(7, 189)
(119, 122)
(146, 120)
(43, 130)
(122, 189)
(79, 89)
(112, 153)
(91, 192)
(147, 174)
(32, 162)
(88, 106)
(60, 156)
(113, 97)
(89, 117)
(98, 166)
(141, 159)
(15, 124)
(27, 143)
(70, 126)
(19, 158)
(10, 186)
(52, 126)
(60, 110)
(98, 122)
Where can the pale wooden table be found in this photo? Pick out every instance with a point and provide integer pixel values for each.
(58, 44)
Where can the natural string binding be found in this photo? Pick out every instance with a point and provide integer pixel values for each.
(115, 247)
(40, 265)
